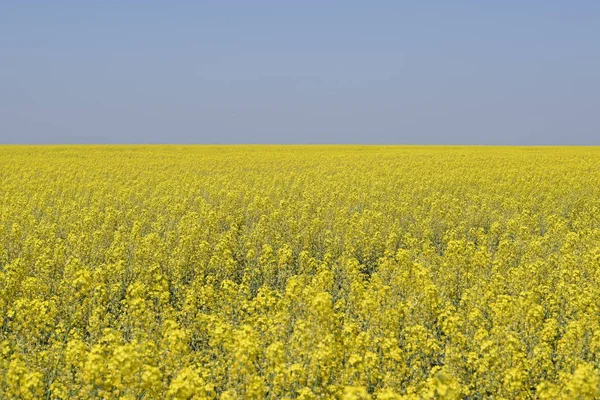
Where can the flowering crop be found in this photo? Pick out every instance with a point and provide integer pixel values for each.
(354, 272)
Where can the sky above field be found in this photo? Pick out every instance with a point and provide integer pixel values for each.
(436, 72)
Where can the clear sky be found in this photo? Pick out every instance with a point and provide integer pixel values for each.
(406, 72)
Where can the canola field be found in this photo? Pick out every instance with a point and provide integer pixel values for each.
(299, 272)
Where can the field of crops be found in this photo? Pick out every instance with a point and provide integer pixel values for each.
(354, 272)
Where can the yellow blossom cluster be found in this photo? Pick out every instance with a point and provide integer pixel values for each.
(299, 272)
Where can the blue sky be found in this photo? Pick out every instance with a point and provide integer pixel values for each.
(461, 72)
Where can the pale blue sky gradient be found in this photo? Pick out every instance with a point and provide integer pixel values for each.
(407, 72)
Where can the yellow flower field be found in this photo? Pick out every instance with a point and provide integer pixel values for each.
(251, 272)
